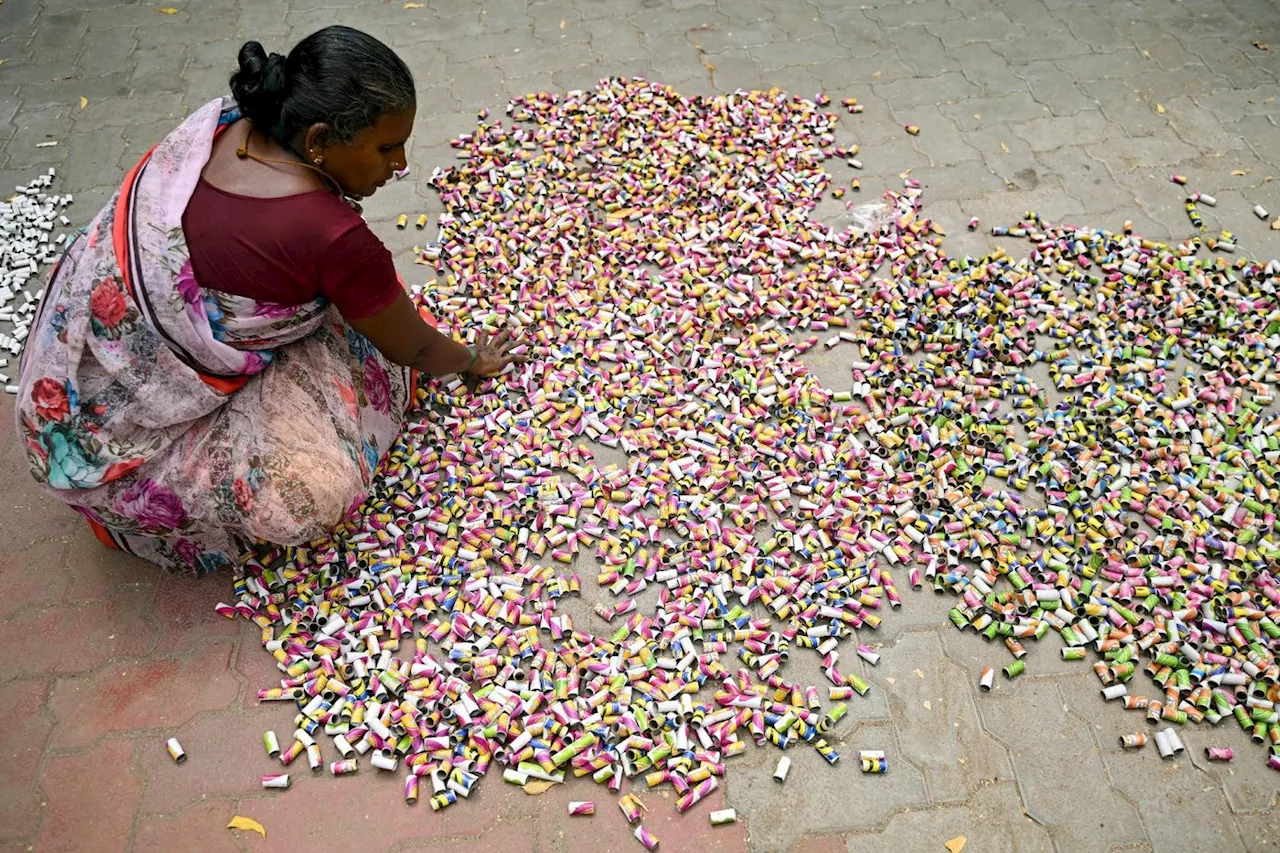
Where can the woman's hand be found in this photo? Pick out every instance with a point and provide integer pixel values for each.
(494, 353)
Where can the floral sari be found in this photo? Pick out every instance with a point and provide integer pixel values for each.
(184, 423)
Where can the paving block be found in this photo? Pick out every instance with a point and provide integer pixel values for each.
(61, 639)
(89, 799)
(160, 694)
(22, 742)
(1181, 806)
(932, 702)
(992, 821)
(205, 820)
(1062, 779)
(819, 798)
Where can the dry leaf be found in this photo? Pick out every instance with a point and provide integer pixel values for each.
(928, 706)
(84, 102)
(957, 844)
(1160, 108)
(891, 680)
(876, 75)
(168, 11)
(1004, 148)
(534, 787)
(918, 673)
(414, 5)
(248, 823)
(1275, 224)
(563, 23)
(1146, 53)
(905, 175)
(1260, 45)
(709, 66)
(1237, 173)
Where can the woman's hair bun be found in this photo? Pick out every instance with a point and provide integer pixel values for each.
(259, 86)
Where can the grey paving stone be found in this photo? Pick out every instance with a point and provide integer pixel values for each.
(1127, 110)
(1006, 208)
(854, 28)
(794, 79)
(926, 12)
(939, 139)
(1260, 832)
(1122, 64)
(973, 113)
(988, 70)
(1085, 178)
(59, 35)
(158, 70)
(96, 153)
(801, 21)
(1095, 29)
(736, 72)
(1063, 781)
(737, 36)
(818, 796)
(532, 60)
(476, 84)
(617, 38)
(1029, 49)
(992, 821)
(913, 91)
(925, 53)
(45, 124)
(995, 27)
(1087, 127)
(810, 51)
(107, 50)
(67, 92)
(1159, 787)
(1054, 88)
(931, 699)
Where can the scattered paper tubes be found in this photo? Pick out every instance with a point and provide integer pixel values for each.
(659, 254)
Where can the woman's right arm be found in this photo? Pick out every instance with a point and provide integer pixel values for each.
(400, 334)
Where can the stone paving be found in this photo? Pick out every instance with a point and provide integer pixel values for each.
(1074, 109)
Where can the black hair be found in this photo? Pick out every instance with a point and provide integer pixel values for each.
(337, 75)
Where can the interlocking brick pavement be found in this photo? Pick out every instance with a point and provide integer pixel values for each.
(1051, 105)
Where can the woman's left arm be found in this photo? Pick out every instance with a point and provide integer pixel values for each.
(400, 334)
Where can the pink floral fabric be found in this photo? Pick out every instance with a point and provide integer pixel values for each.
(187, 422)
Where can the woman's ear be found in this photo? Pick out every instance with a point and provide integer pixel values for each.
(314, 140)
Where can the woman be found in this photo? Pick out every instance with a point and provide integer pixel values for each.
(224, 355)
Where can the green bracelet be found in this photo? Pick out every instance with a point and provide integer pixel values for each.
(475, 354)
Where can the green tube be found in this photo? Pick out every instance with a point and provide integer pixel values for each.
(1014, 669)
(573, 749)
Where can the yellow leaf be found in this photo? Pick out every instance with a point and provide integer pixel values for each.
(1237, 173)
(1275, 224)
(1160, 108)
(168, 11)
(1004, 148)
(248, 823)
(563, 23)
(413, 5)
(84, 102)
(876, 75)
(534, 787)
(710, 67)
(957, 844)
